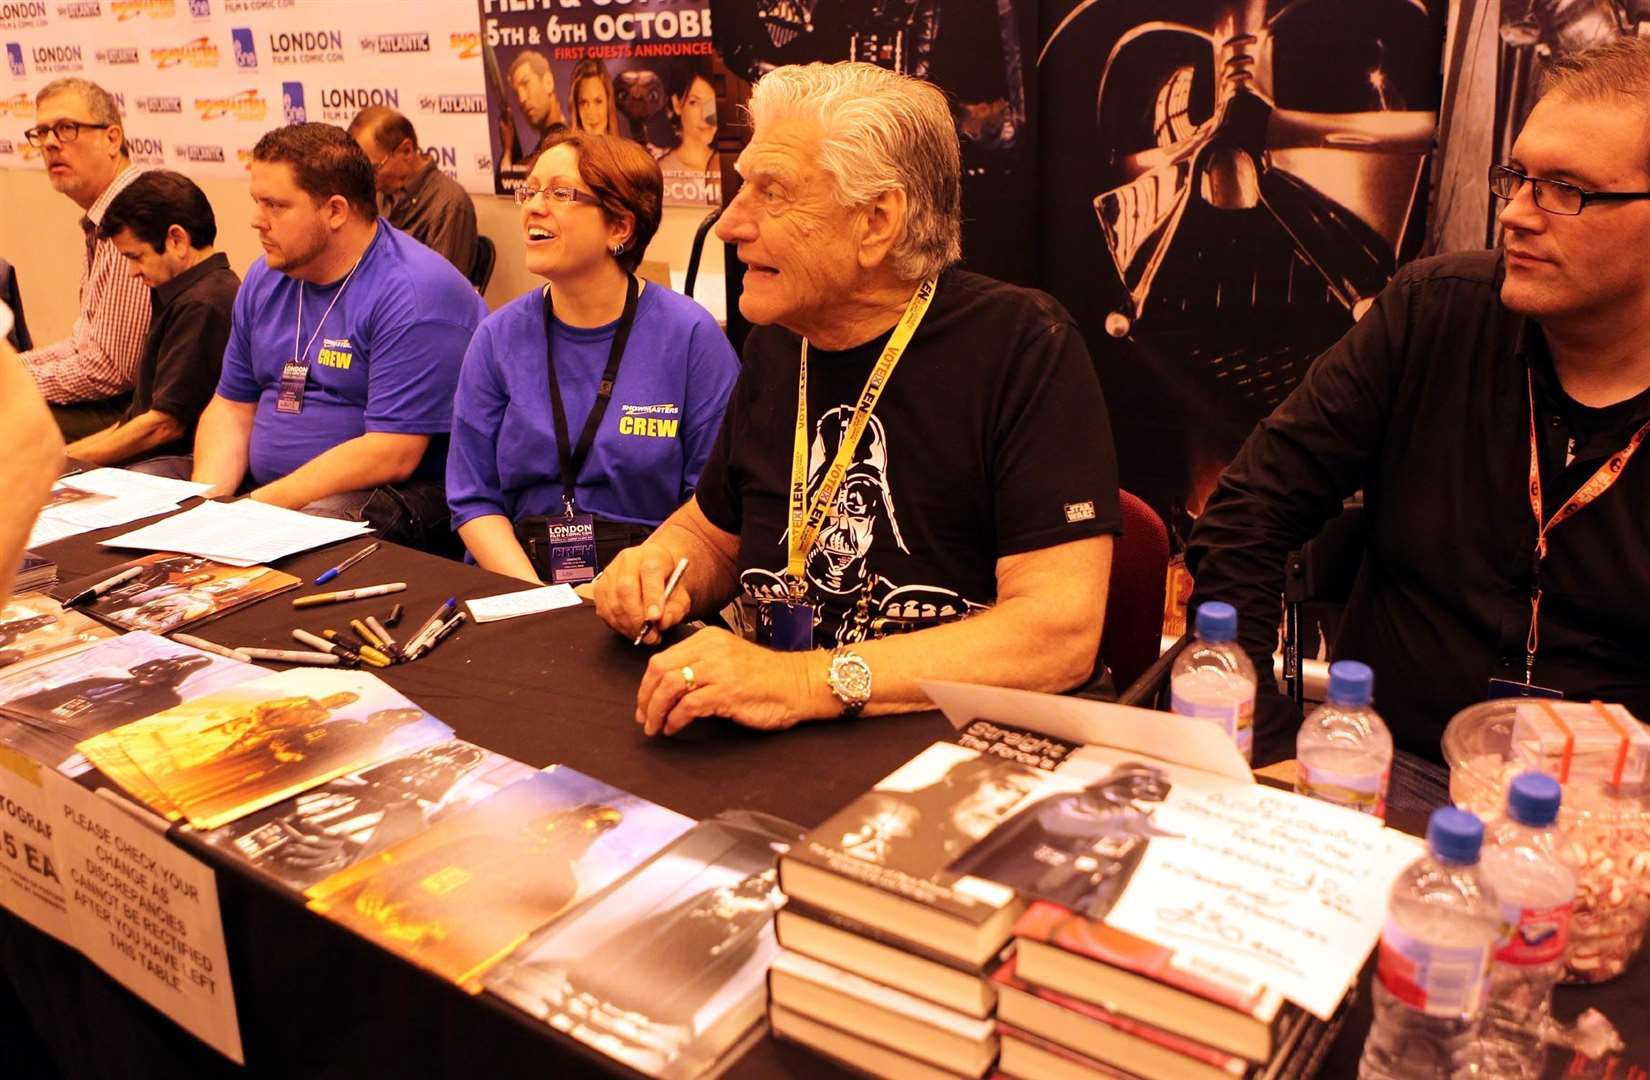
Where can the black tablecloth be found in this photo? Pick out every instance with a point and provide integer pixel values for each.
(316, 1001)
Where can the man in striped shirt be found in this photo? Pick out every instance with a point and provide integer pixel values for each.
(87, 377)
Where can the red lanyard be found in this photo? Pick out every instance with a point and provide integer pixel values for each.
(1596, 485)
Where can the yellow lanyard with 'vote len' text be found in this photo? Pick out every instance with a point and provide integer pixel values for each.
(808, 518)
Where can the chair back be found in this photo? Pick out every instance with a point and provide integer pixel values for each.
(1131, 638)
(486, 257)
(12, 298)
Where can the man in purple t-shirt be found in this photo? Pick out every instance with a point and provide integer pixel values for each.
(337, 386)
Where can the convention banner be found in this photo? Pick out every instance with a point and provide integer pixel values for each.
(637, 69)
(1226, 186)
(199, 81)
(145, 911)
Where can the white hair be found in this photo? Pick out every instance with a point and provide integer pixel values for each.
(883, 131)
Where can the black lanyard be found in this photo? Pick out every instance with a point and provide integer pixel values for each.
(572, 458)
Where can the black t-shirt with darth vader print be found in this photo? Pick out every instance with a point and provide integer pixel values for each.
(990, 439)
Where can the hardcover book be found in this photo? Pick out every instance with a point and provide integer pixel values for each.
(309, 837)
(56, 704)
(883, 858)
(1091, 961)
(462, 895)
(222, 756)
(666, 968)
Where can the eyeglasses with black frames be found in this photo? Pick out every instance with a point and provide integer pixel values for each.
(67, 131)
(1553, 196)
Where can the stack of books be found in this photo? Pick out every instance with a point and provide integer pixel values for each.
(888, 956)
(36, 573)
(1082, 999)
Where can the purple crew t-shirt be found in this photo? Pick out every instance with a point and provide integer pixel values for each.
(674, 381)
(386, 359)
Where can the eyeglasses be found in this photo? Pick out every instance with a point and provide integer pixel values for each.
(1553, 196)
(67, 131)
(561, 193)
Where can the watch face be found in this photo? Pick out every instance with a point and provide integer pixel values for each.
(851, 678)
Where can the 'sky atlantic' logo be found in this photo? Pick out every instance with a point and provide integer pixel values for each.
(307, 47)
(450, 104)
(81, 9)
(339, 104)
(160, 105)
(14, 60)
(466, 45)
(200, 152)
(146, 151)
(22, 14)
(385, 44)
(246, 105)
(118, 54)
(244, 48)
(131, 9)
(292, 103)
(199, 52)
(57, 58)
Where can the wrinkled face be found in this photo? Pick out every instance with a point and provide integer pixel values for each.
(796, 240)
(82, 168)
(590, 102)
(292, 227)
(143, 261)
(537, 95)
(981, 811)
(563, 239)
(391, 169)
(1564, 267)
(698, 111)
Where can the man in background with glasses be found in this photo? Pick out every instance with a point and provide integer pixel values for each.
(87, 377)
(416, 197)
(1492, 407)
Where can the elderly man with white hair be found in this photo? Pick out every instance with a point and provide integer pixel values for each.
(914, 478)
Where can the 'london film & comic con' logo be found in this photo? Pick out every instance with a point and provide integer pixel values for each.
(22, 14)
(306, 47)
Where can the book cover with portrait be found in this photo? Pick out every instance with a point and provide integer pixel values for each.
(309, 837)
(462, 895)
(666, 968)
(52, 706)
(220, 757)
(173, 591)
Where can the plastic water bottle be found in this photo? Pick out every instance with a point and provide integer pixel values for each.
(1343, 753)
(1214, 680)
(1537, 893)
(1442, 928)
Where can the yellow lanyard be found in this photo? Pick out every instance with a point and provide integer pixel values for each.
(808, 518)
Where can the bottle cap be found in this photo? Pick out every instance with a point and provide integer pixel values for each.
(1454, 835)
(1216, 622)
(1351, 683)
(1533, 799)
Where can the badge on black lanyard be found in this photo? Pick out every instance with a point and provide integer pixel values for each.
(570, 539)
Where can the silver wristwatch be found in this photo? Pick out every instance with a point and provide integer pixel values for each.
(850, 680)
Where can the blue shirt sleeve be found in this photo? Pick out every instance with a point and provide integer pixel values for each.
(473, 487)
(414, 371)
(713, 368)
(237, 381)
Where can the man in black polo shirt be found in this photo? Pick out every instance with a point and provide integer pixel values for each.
(163, 226)
(1479, 383)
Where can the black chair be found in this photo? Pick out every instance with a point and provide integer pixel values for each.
(698, 250)
(486, 258)
(12, 298)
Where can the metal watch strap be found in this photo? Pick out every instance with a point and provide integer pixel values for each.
(853, 698)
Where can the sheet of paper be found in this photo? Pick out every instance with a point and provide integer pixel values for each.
(124, 483)
(146, 912)
(1285, 889)
(526, 602)
(46, 530)
(242, 533)
(31, 881)
(1178, 739)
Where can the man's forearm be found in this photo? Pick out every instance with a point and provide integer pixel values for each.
(711, 578)
(223, 443)
(123, 442)
(366, 461)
